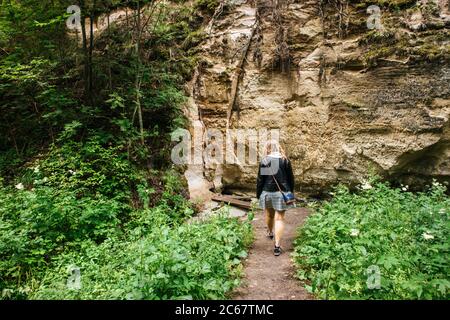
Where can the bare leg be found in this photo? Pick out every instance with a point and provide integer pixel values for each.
(279, 227)
(270, 215)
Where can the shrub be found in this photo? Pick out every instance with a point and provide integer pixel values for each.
(79, 192)
(401, 234)
(199, 260)
(35, 225)
(76, 207)
(88, 168)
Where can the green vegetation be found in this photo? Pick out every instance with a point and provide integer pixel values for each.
(155, 261)
(122, 252)
(391, 4)
(429, 47)
(403, 235)
(85, 204)
(85, 173)
(207, 5)
(76, 206)
(427, 44)
(386, 37)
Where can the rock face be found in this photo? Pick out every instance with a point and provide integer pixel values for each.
(347, 100)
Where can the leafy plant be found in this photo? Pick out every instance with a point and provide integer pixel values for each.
(200, 260)
(401, 234)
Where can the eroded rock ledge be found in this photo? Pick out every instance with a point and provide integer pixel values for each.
(347, 99)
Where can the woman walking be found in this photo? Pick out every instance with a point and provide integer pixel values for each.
(274, 175)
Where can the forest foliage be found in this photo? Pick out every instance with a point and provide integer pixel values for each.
(85, 178)
(380, 243)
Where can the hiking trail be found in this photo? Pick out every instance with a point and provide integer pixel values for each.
(267, 277)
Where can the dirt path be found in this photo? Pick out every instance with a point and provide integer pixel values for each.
(268, 277)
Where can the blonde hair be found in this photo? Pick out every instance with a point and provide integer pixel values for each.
(273, 146)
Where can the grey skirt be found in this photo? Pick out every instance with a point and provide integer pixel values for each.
(273, 200)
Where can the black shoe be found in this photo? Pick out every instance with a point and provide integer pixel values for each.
(277, 251)
(270, 235)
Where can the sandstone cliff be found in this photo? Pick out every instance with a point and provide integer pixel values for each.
(348, 99)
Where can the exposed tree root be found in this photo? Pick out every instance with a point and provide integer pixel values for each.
(238, 74)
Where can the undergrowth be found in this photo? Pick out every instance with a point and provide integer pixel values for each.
(379, 243)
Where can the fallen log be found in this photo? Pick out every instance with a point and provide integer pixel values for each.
(242, 202)
(232, 201)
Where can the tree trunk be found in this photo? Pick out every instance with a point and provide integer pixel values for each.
(85, 50)
(91, 47)
(109, 55)
(138, 74)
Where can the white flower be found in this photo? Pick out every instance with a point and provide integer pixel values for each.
(435, 183)
(45, 179)
(354, 232)
(427, 236)
(20, 186)
(366, 186)
(72, 172)
(405, 188)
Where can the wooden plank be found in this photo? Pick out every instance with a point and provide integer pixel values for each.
(244, 198)
(232, 201)
(238, 201)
